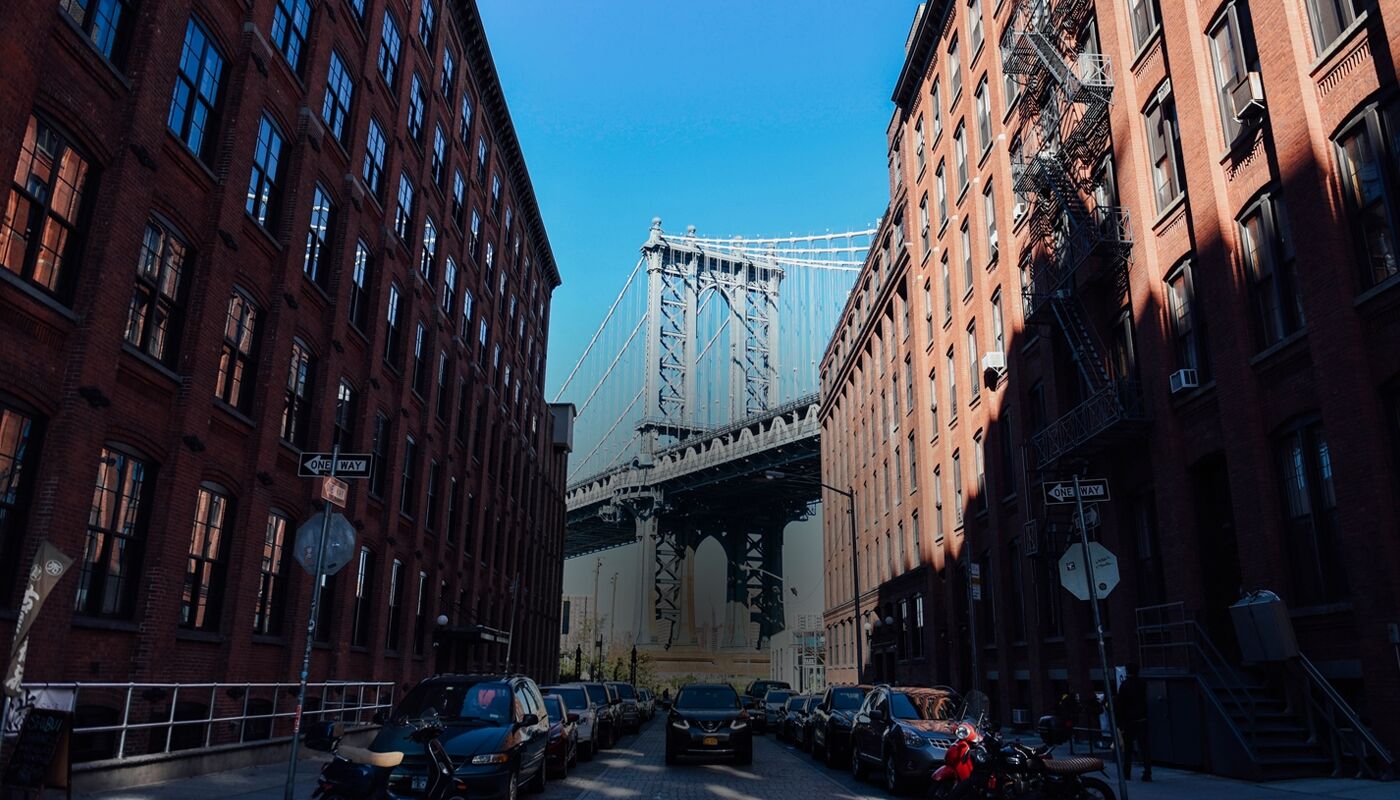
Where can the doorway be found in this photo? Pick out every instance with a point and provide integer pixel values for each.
(1218, 549)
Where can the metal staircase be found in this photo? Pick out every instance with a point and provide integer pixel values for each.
(1065, 130)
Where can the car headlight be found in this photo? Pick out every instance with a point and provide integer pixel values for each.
(738, 724)
(680, 723)
(490, 758)
(912, 739)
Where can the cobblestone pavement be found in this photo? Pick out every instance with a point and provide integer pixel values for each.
(635, 770)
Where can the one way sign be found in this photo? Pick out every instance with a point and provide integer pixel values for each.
(349, 465)
(1090, 491)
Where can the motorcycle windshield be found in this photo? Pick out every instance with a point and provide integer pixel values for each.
(975, 708)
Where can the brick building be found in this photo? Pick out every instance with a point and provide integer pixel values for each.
(1149, 242)
(241, 230)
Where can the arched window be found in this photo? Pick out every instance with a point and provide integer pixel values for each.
(202, 598)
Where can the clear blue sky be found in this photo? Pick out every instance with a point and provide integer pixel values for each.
(737, 116)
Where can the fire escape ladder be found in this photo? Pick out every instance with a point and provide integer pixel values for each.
(1083, 342)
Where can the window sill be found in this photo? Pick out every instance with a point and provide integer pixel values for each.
(1375, 291)
(208, 637)
(1190, 398)
(1321, 610)
(1140, 56)
(967, 295)
(1286, 343)
(269, 639)
(104, 624)
(1167, 212)
(962, 192)
(272, 240)
(233, 412)
(190, 158)
(359, 648)
(150, 361)
(37, 294)
(1341, 42)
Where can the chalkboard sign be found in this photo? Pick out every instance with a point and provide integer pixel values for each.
(40, 755)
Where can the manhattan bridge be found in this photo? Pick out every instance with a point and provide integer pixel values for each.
(697, 390)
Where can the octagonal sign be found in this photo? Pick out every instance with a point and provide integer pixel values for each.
(1073, 576)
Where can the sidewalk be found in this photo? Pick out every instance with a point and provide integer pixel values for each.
(266, 782)
(1176, 784)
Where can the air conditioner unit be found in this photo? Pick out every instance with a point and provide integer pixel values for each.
(1018, 211)
(1247, 99)
(1184, 379)
(995, 361)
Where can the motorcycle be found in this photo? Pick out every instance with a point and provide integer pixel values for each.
(981, 764)
(356, 773)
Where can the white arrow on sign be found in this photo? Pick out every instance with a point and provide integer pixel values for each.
(1062, 491)
(1073, 576)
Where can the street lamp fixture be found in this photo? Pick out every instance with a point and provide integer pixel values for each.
(850, 494)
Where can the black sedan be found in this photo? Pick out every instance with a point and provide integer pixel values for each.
(831, 722)
(708, 719)
(903, 732)
(789, 728)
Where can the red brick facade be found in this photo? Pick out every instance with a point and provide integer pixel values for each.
(1278, 471)
(489, 551)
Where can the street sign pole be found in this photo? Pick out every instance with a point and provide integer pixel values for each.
(310, 636)
(1098, 632)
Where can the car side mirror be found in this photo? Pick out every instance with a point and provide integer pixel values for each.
(573, 717)
(379, 718)
(529, 720)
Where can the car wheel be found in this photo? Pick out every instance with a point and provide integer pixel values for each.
(586, 751)
(892, 784)
(857, 767)
(537, 784)
(513, 786)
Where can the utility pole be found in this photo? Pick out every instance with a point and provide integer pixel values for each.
(597, 632)
(612, 617)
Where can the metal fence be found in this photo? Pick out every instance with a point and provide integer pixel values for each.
(116, 721)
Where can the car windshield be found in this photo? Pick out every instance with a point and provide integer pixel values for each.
(761, 688)
(921, 706)
(847, 699)
(488, 702)
(574, 697)
(777, 696)
(626, 692)
(796, 703)
(812, 703)
(707, 698)
(554, 707)
(598, 693)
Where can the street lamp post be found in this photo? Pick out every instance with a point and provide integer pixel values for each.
(850, 494)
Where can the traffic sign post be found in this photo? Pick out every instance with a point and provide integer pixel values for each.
(1063, 493)
(1087, 558)
(335, 464)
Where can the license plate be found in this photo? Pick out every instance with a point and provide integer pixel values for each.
(710, 741)
(420, 783)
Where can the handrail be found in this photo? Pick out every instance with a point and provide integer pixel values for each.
(1360, 735)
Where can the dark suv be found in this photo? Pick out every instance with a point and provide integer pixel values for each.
(607, 722)
(753, 696)
(629, 713)
(708, 719)
(903, 732)
(496, 730)
(832, 719)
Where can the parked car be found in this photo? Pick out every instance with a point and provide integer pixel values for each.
(576, 698)
(647, 703)
(708, 719)
(629, 713)
(903, 732)
(604, 699)
(791, 721)
(495, 728)
(562, 751)
(831, 722)
(753, 695)
(804, 736)
(770, 712)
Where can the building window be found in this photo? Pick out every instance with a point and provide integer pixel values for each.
(495, 195)
(449, 287)
(373, 171)
(264, 183)
(1329, 18)
(490, 259)
(364, 600)
(919, 144)
(439, 163)
(1310, 515)
(965, 239)
(481, 155)
(960, 150)
(952, 372)
(954, 72)
(396, 578)
(1368, 169)
(936, 104)
(933, 403)
(989, 216)
(975, 31)
(947, 288)
(1268, 257)
(416, 104)
(393, 335)
(998, 326)
(430, 521)
(359, 286)
(449, 73)
(427, 23)
(428, 261)
(290, 19)
(1144, 16)
(475, 237)
(204, 575)
(420, 367)
(1164, 149)
(236, 362)
(104, 22)
(408, 480)
(444, 385)
(403, 214)
(464, 129)
(296, 407)
(116, 534)
(913, 473)
(194, 102)
(340, 89)
(459, 199)
(379, 448)
(923, 226)
(40, 232)
(957, 489)
(1231, 43)
(151, 318)
(928, 311)
(938, 504)
(343, 434)
(314, 266)
(390, 41)
(468, 299)
(267, 614)
(1008, 455)
(420, 615)
(1187, 323)
(19, 458)
(979, 460)
(358, 6)
(984, 114)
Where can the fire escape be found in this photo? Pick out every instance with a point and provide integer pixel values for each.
(1076, 236)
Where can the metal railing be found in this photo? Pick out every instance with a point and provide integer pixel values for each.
(1117, 401)
(118, 721)
(1348, 734)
